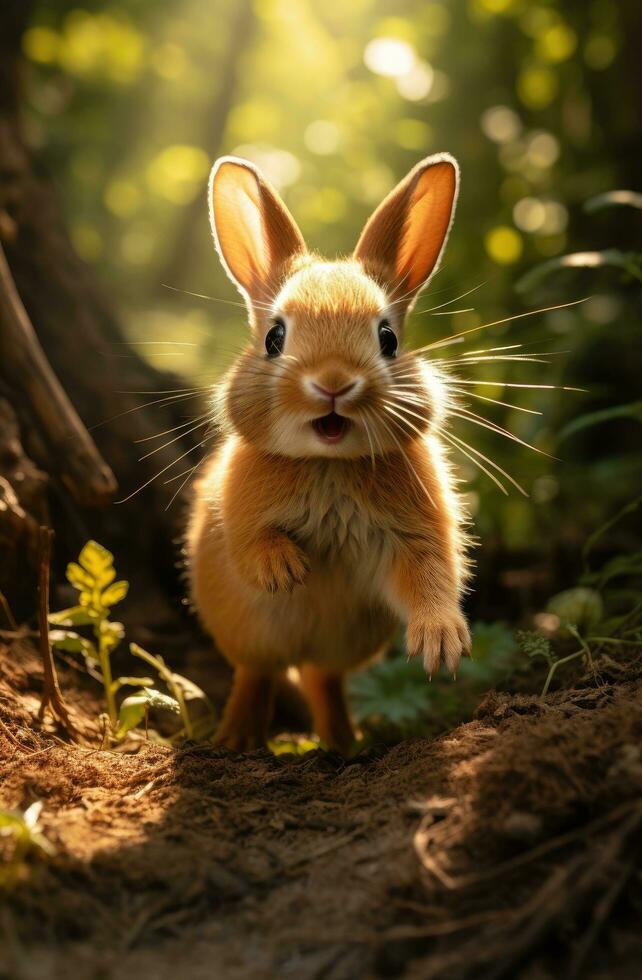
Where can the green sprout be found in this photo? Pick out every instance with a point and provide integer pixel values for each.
(94, 576)
(136, 707)
(20, 837)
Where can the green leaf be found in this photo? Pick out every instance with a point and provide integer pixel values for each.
(619, 567)
(534, 645)
(393, 690)
(132, 711)
(74, 616)
(115, 593)
(24, 828)
(131, 682)
(133, 708)
(629, 508)
(631, 262)
(190, 690)
(631, 411)
(72, 643)
(157, 699)
(613, 199)
(78, 577)
(98, 562)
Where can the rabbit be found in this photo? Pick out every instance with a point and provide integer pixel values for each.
(327, 512)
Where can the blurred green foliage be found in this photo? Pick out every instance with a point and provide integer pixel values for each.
(130, 102)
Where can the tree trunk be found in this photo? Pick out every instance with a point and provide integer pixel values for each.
(83, 345)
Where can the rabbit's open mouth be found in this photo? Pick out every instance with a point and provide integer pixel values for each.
(331, 428)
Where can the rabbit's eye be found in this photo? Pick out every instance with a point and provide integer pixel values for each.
(275, 338)
(388, 342)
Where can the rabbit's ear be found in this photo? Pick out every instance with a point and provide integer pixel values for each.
(255, 234)
(403, 241)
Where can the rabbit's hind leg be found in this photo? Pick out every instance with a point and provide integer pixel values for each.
(326, 696)
(248, 711)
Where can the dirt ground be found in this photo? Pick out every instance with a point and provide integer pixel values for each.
(509, 847)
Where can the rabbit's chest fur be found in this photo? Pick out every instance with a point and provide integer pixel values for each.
(336, 527)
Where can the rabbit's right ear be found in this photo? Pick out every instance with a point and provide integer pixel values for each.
(255, 234)
(403, 241)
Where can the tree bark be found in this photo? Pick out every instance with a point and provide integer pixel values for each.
(81, 345)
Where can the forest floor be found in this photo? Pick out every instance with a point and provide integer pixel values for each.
(509, 847)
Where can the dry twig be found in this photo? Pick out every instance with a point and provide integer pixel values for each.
(51, 694)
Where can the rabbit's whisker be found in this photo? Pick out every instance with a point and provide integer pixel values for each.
(495, 358)
(371, 416)
(455, 299)
(164, 470)
(468, 309)
(366, 429)
(402, 406)
(166, 432)
(199, 425)
(190, 474)
(495, 323)
(467, 416)
(508, 384)
(137, 408)
(468, 452)
(496, 401)
(404, 456)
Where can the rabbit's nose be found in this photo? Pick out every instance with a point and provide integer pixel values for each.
(333, 392)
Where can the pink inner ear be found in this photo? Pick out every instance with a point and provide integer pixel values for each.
(239, 225)
(426, 225)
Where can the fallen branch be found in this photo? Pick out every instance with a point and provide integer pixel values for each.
(25, 366)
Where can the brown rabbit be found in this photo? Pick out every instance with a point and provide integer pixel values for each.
(327, 511)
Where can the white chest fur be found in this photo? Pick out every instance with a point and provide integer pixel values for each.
(333, 523)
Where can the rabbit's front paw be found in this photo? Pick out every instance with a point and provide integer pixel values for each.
(439, 637)
(281, 564)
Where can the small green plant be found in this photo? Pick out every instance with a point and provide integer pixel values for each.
(534, 645)
(94, 577)
(395, 699)
(392, 693)
(136, 707)
(20, 838)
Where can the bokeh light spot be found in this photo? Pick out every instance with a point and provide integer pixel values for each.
(122, 198)
(543, 149)
(417, 83)
(537, 87)
(279, 166)
(389, 56)
(529, 214)
(41, 44)
(500, 124)
(322, 137)
(177, 173)
(503, 245)
(555, 218)
(557, 43)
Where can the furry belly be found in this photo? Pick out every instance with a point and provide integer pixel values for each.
(335, 619)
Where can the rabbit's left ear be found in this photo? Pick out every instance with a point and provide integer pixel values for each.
(255, 234)
(403, 241)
